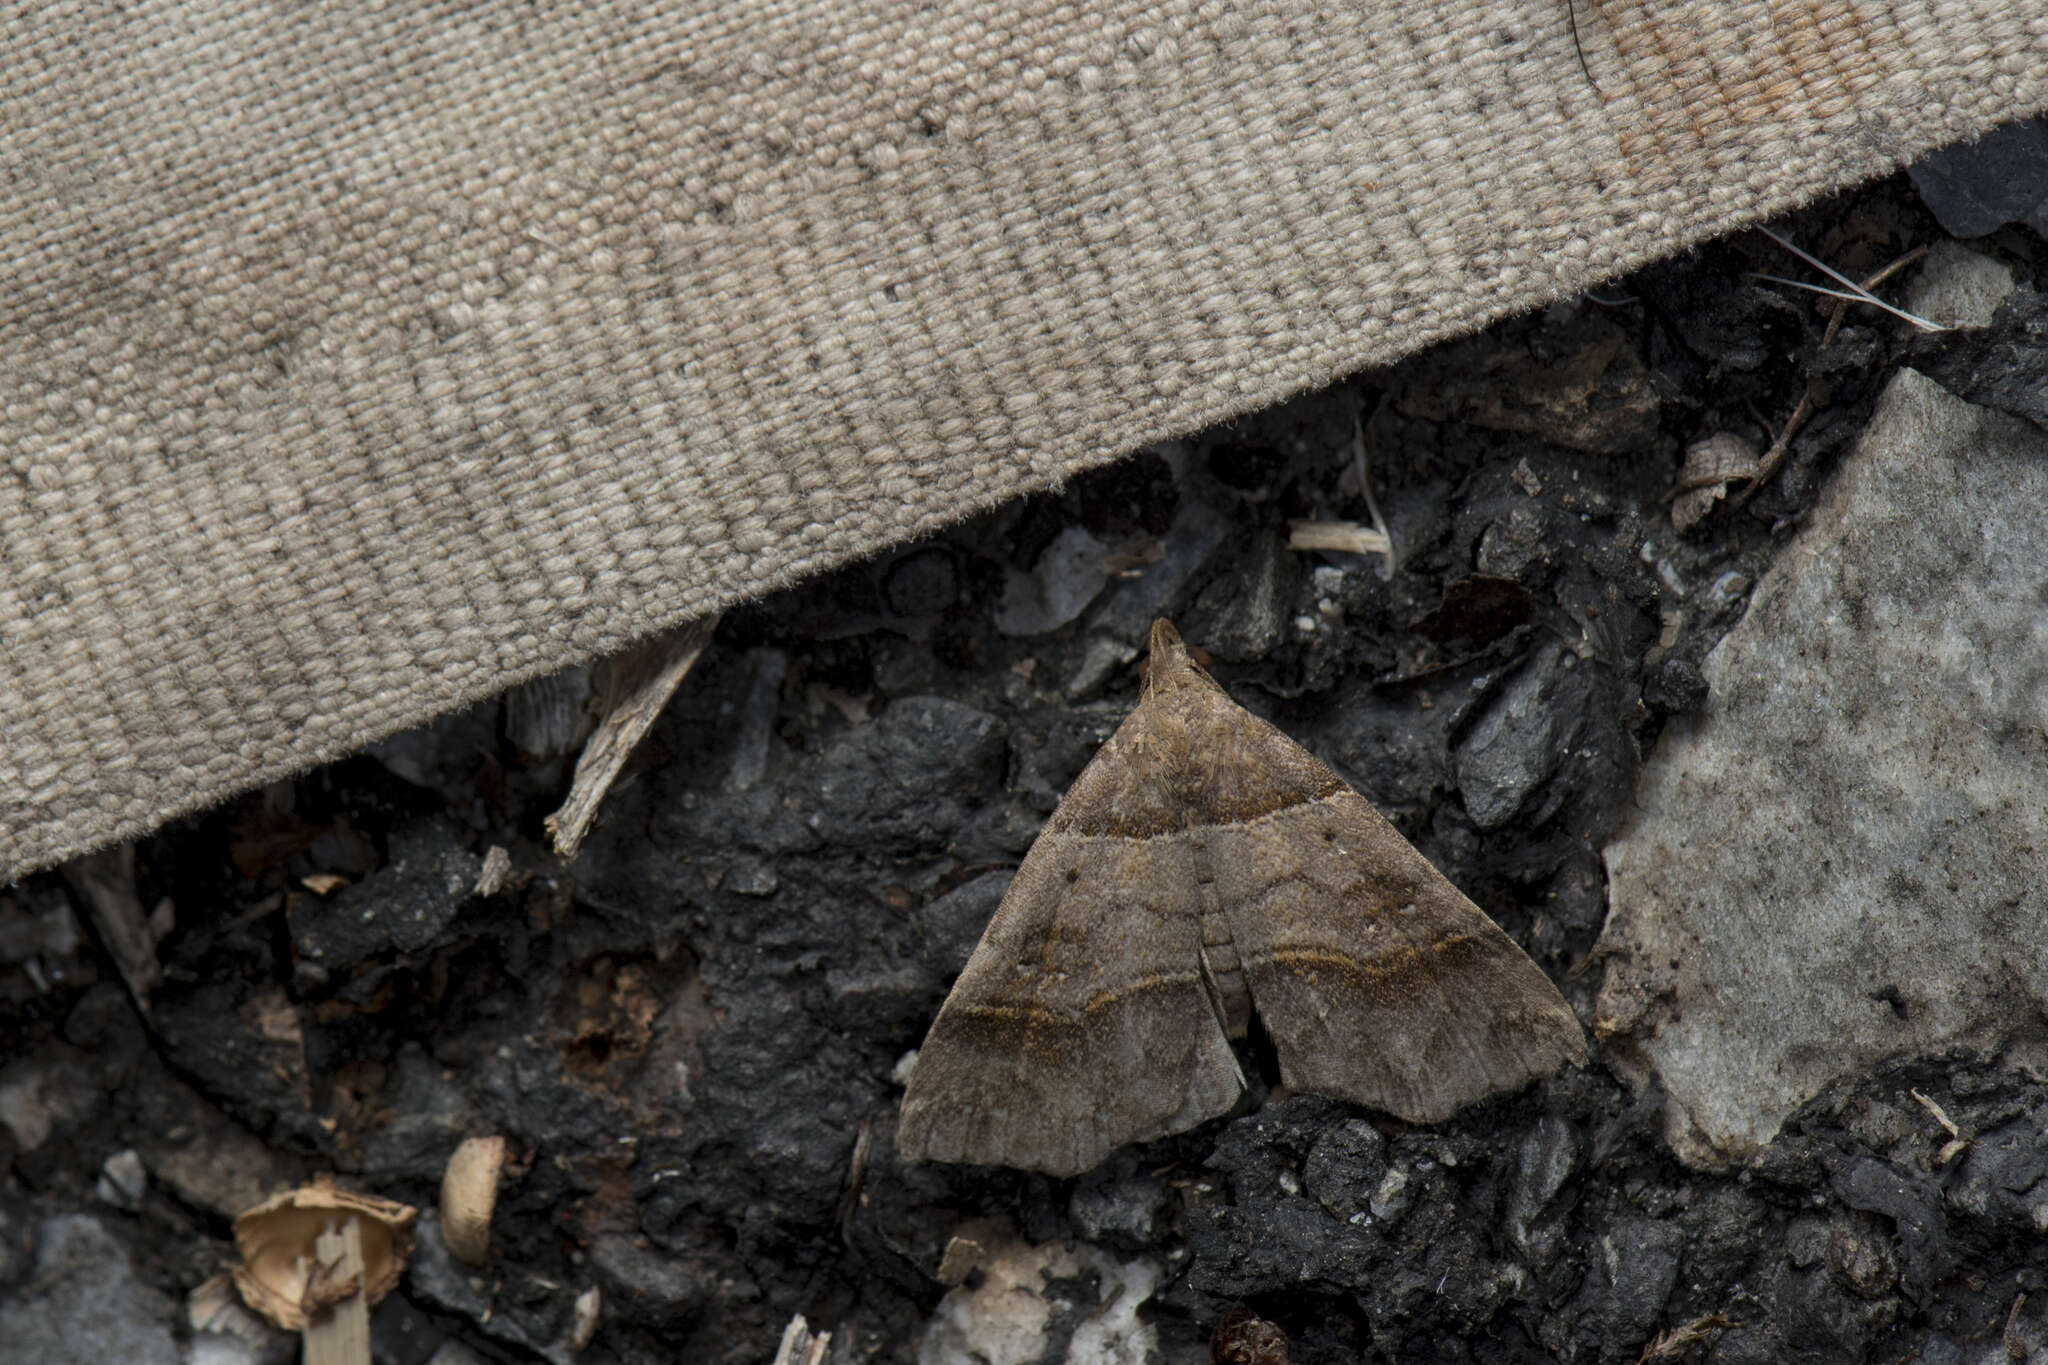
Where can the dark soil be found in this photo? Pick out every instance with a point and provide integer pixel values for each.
(689, 1034)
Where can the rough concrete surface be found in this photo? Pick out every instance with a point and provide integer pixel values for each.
(1840, 858)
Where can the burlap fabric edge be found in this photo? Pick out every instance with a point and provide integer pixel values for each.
(356, 372)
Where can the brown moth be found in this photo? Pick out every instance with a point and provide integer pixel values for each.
(1203, 866)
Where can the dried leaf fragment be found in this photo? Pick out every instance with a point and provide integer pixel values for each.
(1710, 466)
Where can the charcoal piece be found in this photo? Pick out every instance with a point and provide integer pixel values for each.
(1513, 747)
(1121, 1206)
(1636, 1266)
(2003, 365)
(1913, 1202)
(2004, 1178)
(405, 907)
(1978, 187)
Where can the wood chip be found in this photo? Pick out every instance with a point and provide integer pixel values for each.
(105, 881)
(638, 685)
(1347, 536)
(800, 1345)
(337, 1330)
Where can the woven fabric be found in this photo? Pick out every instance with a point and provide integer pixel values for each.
(358, 361)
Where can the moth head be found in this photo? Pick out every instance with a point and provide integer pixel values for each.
(1171, 667)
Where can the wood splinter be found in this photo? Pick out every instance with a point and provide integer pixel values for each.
(1202, 867)
(637, 686)
(337, 1330)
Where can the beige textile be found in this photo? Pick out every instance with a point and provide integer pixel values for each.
(359, 360)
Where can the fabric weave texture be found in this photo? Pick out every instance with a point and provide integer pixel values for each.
(359, 361)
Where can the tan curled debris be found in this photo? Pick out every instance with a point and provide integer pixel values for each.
(584, 1316)
(469, 1194)
(279, 1261)
(1710, 466)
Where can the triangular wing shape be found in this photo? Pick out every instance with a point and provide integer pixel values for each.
(1082, 1021)
(1203, 856)
(1378, 981)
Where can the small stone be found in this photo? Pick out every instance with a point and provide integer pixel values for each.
(751, 877)
(649, 1286)
(1392, 1196)
(1060, 585)
(1131, 1212)
(1246, 610)
(91, 1308)
(1548, 1156)
(1127, 612)
(436, 1277)
(1512, 749)
(122, 1180)
(205, 1158)
(46, 1095)
(1639, 1262)
(1874, 740)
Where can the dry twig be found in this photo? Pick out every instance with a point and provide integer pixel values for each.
(1809, 399)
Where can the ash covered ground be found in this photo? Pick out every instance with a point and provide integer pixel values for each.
(691, 1035)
